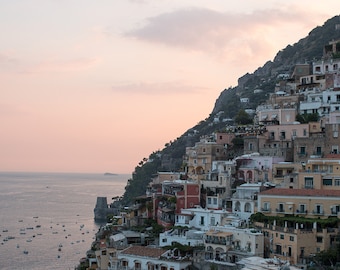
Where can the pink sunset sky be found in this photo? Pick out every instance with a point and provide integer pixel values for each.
(96, 86)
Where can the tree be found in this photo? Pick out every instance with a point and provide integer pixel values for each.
(242, 118)
(307, 117)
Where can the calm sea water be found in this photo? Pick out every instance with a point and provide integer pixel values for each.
(47, 220)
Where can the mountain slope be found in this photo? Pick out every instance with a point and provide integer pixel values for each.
(228, 103)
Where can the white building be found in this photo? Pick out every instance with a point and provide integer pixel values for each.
(244, 200)
(147, 258)
(202, 219)
(322, 103)
(218, 184)
(182, 236)
(230, 244)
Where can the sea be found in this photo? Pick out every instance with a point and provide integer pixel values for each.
(47, 219)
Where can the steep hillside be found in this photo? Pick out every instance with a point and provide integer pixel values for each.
(228, 104)
(304, 51)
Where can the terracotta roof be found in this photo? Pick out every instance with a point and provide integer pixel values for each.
(300, 192)
(144, 251)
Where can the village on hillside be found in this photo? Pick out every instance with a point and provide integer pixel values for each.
(277, 206)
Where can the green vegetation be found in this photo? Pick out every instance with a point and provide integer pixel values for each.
(228, 104)
(307, 117)
(328, 258)
(242, 118)
(330, 222)
(141, 177)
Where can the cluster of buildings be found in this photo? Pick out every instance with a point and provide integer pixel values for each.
(288, 179)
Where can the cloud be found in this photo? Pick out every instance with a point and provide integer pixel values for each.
(57, 65)
(223, 34)
(7, 62)
(146, 88)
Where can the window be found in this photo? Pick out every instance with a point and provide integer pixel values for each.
(202, 221)
(266, 206)
(164, 240)
(283, 135)
(212, 221)
(215, 200)
(250, 146)
(278, 249)
(302, 208)
(292, 180)
(318, 150)
(209, 200)
(291, 238)
(327, 182)
(319, 239)
(318, 209)
(302, 150)
(281, 208)
(337, 182)
(334, 149)
(309, 182)
(294, 132)
(282, 236)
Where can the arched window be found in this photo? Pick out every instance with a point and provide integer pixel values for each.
(247, 208)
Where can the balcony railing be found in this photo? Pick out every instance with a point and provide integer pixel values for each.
(266, 210)
(318, 213)
(280, 210)
(334, 213)
(300, 212)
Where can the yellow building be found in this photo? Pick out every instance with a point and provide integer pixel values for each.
(199, 158)
(303, 215)
(320, 174)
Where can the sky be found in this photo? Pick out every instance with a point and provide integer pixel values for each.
(97, 85)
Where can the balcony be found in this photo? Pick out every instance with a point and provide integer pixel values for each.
(300, 212)
(266, 210)
(334, 213)
(280, 210)
(318, 213)
(217, 242)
